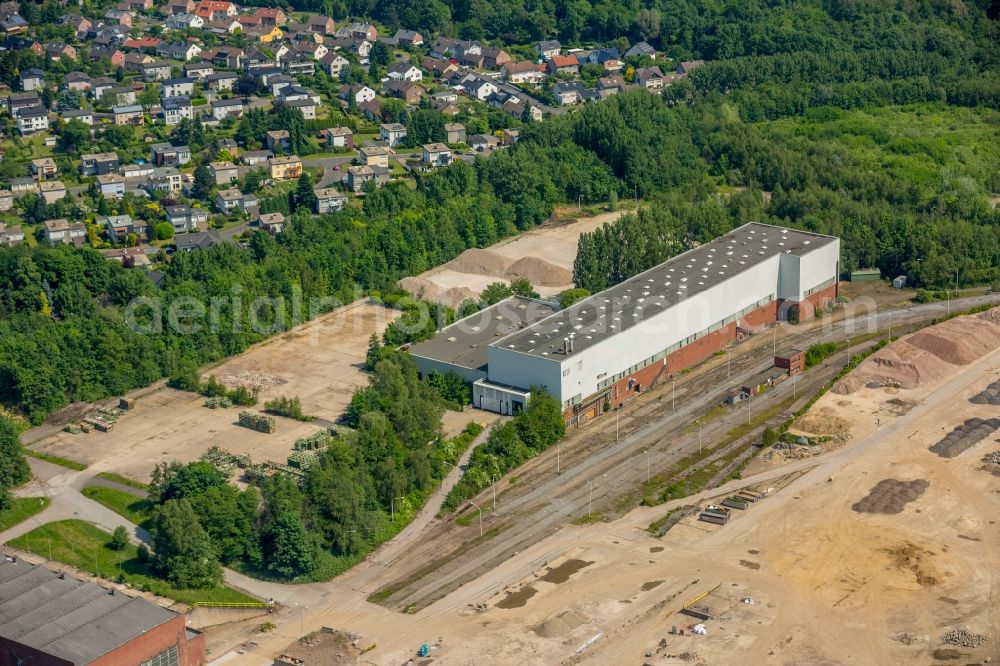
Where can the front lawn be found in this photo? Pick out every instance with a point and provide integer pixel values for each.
(21, 508)
(137, 510)
(81, 545)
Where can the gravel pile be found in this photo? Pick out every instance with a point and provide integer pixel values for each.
(992, 316)
(964, 638)
(252, 380)
(989, 396)
(992, 458)
(889, 496)
(965, 437)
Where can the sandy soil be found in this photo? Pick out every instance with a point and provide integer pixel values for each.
(829, 584)
(544, 256)
(319, 362)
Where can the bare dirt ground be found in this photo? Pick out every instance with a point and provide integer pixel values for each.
(543, 255)
(318, 361)
(829, 584)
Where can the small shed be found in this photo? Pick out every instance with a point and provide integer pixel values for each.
(899, 282)
(792, 360)
(866, 275)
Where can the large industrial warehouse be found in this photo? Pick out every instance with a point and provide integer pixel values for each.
(607, 348)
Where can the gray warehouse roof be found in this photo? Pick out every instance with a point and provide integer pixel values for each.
(66, 617)
(660, 288)
(464, 343)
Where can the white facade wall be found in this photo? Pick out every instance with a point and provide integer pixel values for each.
(581, 375)
(507, 366)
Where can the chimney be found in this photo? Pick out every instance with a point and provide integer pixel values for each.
(571, 342)
(565, 345)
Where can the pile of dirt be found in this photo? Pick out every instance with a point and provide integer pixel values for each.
(891, 495)
(517, 598)
(988, 396)
(910, 557)
(823, 422)
(539, 272)
(561, 624)
(419, 286)
(900, 364)
(479, 262)
(927, 355)
(959, 341)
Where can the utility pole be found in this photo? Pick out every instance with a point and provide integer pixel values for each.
(673, 393)
(480, 518)
(890, 325)
(749, 398)
(590, 502)
(729, 370)
(493, 483)
(699, 437)
(794, 377)
(558, 462)
(617, 413)
(774, 340)
(647, 469)
(848, 351)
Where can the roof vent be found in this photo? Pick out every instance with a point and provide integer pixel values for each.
(452, 338)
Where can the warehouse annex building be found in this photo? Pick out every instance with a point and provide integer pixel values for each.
(605, 349)
(50, 618)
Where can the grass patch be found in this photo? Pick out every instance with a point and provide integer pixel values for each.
(81, 545)
(21, 508)
(124, 480)
(589, 519)
(56, 460)
(137, 510)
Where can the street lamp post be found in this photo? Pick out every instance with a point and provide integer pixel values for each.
(647, 466)
(699, 437)
(848, 351)
(493, 483)
(673, 393)
(480, 518)
(558, 456)
(590, 502)
(729, 369)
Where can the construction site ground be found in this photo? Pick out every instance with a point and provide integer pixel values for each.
(543, 255)
(319, 362)
(831, 585)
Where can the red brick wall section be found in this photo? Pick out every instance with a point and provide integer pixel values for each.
(685, 357)
(155, 641)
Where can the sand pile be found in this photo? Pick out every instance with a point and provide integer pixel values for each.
(928, 355)
(419, 286)
(561, 624)
(824, 422)
(453, 297)
(959, 341)
(539, 272)
(480, 262)
(900, 364)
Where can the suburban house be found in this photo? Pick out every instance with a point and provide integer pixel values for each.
(224, 108)
(361, 93)
(256, 157)
(480, 89)
(224, 173)
(405, 71)
(62, 231)
(548, 49)
(186, 218)
(650, 78)
(163, 154)
(568, 92)
(392, 133)
(641, 50)
(166, 179)
(59, 50)
(524, 71)
(198, 70)
(134, 62)
(158, 70)
(333, 63)
(184, 21)
(221, 81)
(374, 156)
(272, 223)
(94, 164)
(120, 226)
(495, 57)
(177, 87)
(409, 92)
(129, 257)
(23, 185)
(285, 167)
(11, 236)
(454, 133)
(175, 7)
(688, 66)
(329, 200)
(307, 106)
(32, 120)
(85, 116)
(176, 109)
(6, 200)
(483, 142)
(112, 185)
(138, 171)
(215, 9)
(52, 190)
(407, 39)
(435, 155)
(32, 79)
(338, 137)
(43, 168)
(201, 240)
(567, 65)
(357, 176)
(77, 81)
(183, 51)
(278, 140)
(230, 200)
(321, 25)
